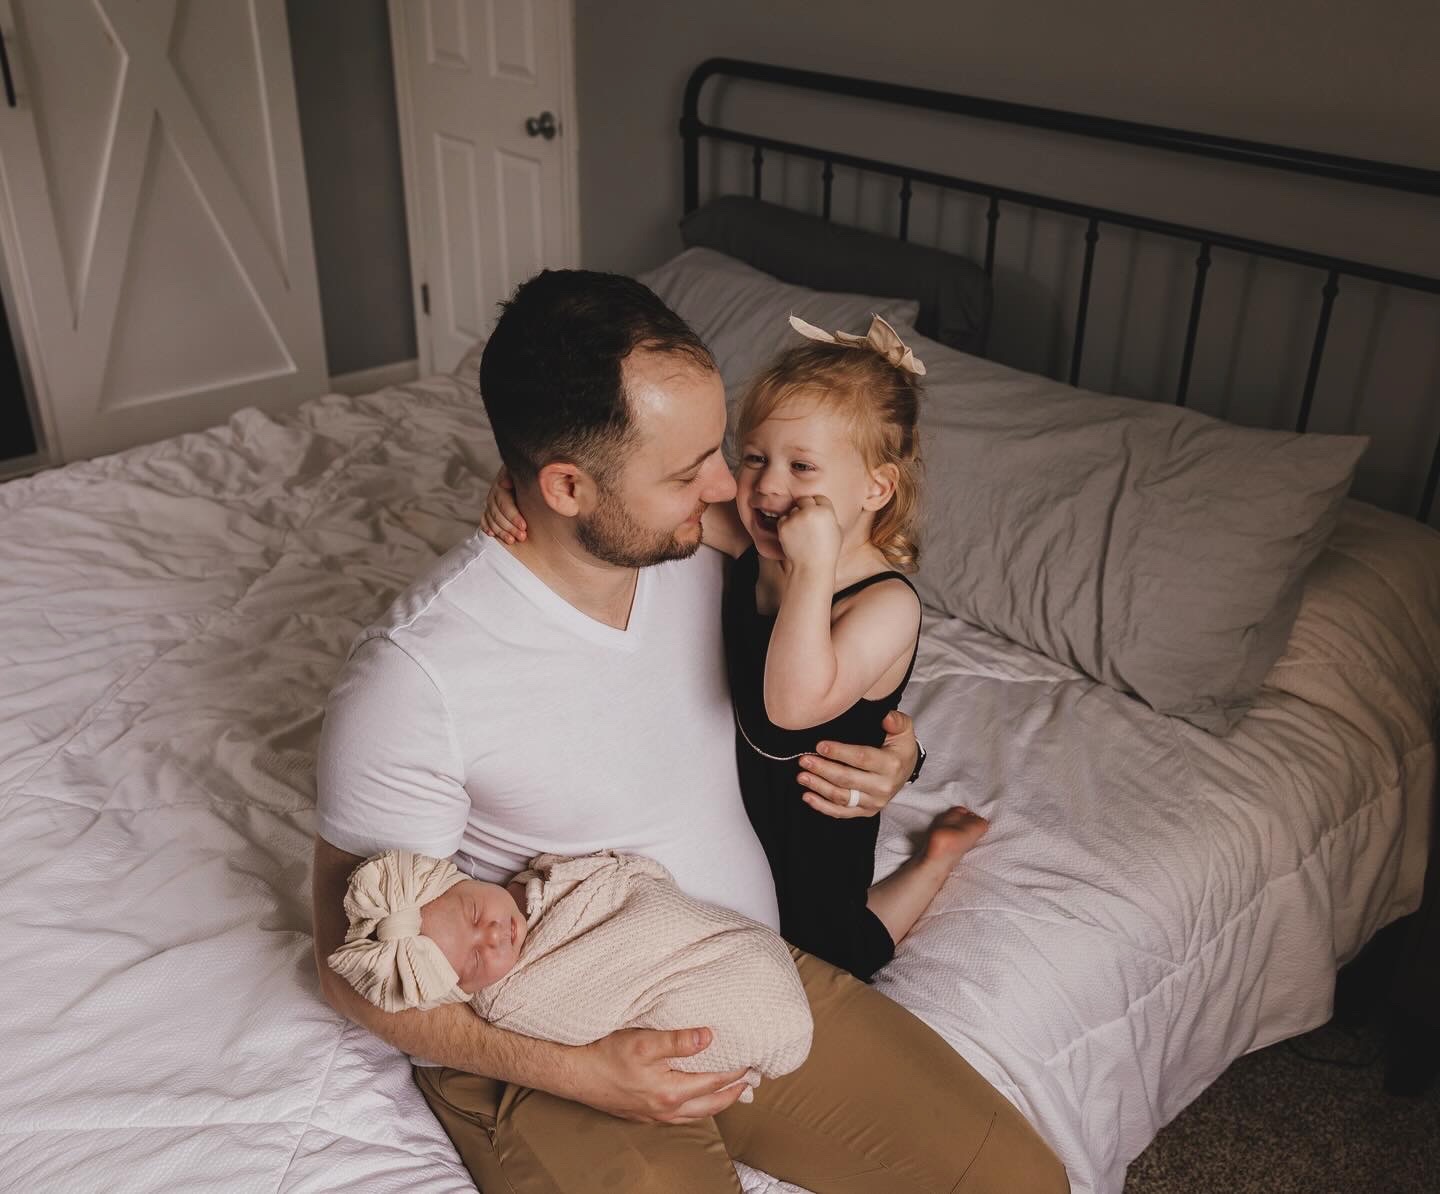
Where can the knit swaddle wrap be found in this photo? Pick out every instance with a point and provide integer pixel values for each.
(614, 943)
(385, 957)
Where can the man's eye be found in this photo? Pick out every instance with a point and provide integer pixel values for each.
(801, 467)
(689, 479)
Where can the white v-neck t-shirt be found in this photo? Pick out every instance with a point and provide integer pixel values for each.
(484, 717)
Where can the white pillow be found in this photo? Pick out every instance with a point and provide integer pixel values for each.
(743, 314)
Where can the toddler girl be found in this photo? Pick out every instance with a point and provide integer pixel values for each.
(822, 626)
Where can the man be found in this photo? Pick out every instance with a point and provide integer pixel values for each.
(567, 694)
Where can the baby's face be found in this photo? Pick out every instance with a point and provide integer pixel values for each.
(479, 927)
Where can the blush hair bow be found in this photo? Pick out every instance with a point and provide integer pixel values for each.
(881, 338)
(385, 956)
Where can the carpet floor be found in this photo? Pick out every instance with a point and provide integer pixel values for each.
(1282, 1121)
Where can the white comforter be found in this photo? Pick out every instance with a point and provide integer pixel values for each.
(1149, 904)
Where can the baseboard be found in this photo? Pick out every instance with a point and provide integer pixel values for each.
(366, 381)
(23, 466)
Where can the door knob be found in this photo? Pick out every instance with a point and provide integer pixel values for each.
(542, 125)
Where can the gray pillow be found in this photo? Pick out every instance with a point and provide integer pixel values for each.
(953, 293)
(1154, 548)
(743, 314)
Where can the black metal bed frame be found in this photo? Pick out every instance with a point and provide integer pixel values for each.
(1384, 175)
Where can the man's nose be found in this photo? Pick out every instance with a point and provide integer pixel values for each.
(719, 484)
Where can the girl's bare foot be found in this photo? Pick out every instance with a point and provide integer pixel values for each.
(901, 898)
(952, 835)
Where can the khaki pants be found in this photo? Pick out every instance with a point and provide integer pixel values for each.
(882, 1106)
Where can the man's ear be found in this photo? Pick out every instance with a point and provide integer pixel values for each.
(566, 488)
(881, 488)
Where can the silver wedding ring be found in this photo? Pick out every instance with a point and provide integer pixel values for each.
(854, 801)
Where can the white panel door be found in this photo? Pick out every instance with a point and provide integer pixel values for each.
(156, 198)
(489, 193)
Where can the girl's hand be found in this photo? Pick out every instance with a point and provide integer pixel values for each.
(810, 533)
(502, 518)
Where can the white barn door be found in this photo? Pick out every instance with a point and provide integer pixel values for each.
(158, 215)
(485, 93)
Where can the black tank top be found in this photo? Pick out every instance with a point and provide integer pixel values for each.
(747, 639)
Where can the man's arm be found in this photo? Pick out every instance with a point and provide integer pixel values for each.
(626, 1074)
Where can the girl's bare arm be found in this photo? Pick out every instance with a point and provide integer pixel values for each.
(818, 665)
(723, 529)
(816, 669)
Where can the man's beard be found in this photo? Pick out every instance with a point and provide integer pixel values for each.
(612, 535)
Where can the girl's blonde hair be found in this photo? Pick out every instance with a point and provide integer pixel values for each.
(882, 403)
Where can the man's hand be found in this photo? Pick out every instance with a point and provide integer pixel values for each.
(876, 772)
(628, 1074)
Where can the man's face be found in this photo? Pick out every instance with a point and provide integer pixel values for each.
(649, 511)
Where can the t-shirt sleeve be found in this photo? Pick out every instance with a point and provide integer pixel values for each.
(389, 774)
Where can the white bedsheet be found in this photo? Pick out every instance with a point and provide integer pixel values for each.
(1149, 904)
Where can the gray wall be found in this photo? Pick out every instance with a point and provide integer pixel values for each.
(345, 87)
(1330, 75)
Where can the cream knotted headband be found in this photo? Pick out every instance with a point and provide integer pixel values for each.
(881, 338)
(385, 957)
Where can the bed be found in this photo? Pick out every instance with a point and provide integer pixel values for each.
(1152, 901)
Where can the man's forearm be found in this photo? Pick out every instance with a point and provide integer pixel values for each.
(455, 1036)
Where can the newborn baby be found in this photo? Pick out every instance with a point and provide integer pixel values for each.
(604, 942)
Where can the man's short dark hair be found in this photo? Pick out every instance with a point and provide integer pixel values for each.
(550, 376)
